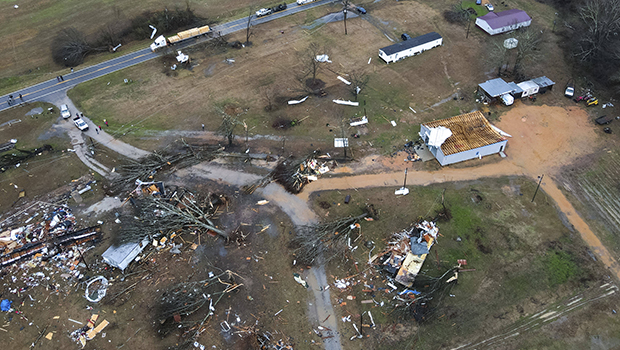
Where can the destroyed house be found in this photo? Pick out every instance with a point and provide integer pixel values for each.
(500, 22)
(407, 251)
(410, 47)
(463, 137)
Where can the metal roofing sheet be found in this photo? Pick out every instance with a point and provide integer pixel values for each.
(407, 44)
(515, 88)
(543, 81)
(497, 20)
(496, 87)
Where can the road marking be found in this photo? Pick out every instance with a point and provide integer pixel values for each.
(87, 74)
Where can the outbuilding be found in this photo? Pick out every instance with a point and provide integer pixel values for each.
(463, 137)
(545, 84)
(410, 47)
(529, 88)
(497, 89)
(500, 22)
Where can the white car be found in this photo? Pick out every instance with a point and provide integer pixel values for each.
(263, 12)
(80, 124)
(569, 92)
(64, 111)
(489, 7)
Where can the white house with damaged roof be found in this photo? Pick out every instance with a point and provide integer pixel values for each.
(463, 137)
(411, 47)
(500, 22)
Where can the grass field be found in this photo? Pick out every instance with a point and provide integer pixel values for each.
(524, 258)
(28, 31)
(437, 84)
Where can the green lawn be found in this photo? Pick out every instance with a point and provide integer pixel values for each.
(522, 255)
(480, 9)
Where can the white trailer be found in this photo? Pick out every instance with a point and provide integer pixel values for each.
(410, 47)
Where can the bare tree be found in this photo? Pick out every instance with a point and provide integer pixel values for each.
(497, 55)
(248, 28)
(311, 68)
(359, 80)
(227, 128)
(268, 94)
(600, 23)
(527, 48)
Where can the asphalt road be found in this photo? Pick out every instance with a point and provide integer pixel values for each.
(40, 91)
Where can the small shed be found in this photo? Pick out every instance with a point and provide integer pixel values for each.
(500, 22)
(529, 88)
(545, 84)
(410, 47)
(470, 136)
(495, 88)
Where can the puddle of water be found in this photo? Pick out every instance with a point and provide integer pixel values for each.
(222, 251)
(34, 111)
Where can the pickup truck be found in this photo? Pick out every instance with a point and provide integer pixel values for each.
(64, 111)
(263, 12)
(80, 124)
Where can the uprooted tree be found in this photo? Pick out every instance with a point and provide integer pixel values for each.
(70, 47)
(184, 299)
(325, 241)
(176, 155)
(183, 212)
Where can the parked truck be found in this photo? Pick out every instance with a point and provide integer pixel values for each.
(162, 41)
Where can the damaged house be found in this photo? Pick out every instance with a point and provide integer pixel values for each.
(407, 251)
(463, 137)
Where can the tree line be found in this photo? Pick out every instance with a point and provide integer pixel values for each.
(71, 46)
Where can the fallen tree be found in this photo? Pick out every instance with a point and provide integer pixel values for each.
(177, 155)
(325, 240)
(182, 212)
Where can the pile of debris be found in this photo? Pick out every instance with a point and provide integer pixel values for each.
(45, 231)
(406, 252)
(294, 174)
(89, 331)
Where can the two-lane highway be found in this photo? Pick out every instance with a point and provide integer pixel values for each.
(39, 91)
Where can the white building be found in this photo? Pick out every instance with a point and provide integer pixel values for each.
(500, 22)
(529, 88)
(463, 137)
(410, 47)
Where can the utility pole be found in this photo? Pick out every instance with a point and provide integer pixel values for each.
(540, 178)
(468, 25)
